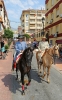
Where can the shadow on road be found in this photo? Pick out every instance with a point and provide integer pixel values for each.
(34, 76)
(11, 82)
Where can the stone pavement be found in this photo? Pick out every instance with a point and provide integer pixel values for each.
(58, 65)
(6, 83)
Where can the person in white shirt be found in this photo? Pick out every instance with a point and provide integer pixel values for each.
(43, 44)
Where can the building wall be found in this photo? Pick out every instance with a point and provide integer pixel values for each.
(54, 20)
(4, 22)
(31, 22)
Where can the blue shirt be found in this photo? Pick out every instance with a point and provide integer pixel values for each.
(19, 46)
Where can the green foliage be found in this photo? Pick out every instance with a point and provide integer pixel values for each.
(8, 33)
(9, 43)
(6, 47)
(27, 36)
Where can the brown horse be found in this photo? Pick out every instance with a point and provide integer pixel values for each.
(47, 60)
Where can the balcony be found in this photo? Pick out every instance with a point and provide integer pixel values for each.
(32, 17)
(32, 27)
(32, 22)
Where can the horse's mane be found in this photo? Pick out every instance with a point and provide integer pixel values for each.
(48, 50)
(27, 49)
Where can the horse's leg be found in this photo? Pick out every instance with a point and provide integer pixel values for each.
(44, 71)
(29, 78)
(16, 72)
(48, 72)
(38, 69)
(22, 79)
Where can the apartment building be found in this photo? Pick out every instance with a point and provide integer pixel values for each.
(53, 25)
(31, 22)
(19, 29)
(4, 21)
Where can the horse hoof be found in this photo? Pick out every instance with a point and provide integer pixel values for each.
(16, 78)
(48, 81)
(42, 76)
(23, 93)
(27, 84)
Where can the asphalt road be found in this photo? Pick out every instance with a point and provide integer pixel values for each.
(39, 89)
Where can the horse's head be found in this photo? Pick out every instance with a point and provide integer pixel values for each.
(56, 50)
(28, 56)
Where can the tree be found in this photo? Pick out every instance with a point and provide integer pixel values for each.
(27, 36)
(8, 33)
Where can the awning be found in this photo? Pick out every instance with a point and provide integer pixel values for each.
(59, 41)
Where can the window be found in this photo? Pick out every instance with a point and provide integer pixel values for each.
(57, 28)
(27, 16)
(0, 10)
(52, 2)
(51, 31)
(57, 12)
(52, 16)
(47, 6)
(51, 42)
(26, 23)
(47, 19)
(39, 34)
(0, 26)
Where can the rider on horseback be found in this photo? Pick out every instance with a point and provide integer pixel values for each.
(20, 46)
(43, 45)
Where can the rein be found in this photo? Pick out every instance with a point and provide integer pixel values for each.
(51, 55)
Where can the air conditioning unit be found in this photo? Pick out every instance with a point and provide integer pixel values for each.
(55, 35)
(50, 21)
(57, 15)
(60, 15)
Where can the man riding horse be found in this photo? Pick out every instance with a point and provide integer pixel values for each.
(20, 46)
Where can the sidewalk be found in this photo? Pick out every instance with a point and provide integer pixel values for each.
(5, 77)
(58, 65)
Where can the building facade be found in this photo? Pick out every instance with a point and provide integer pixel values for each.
(19, 30)
(4, 21)
(31, 22)
(53, 24)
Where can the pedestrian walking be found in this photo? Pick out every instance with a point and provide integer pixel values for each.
(2, 49)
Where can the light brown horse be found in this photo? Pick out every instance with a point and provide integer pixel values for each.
(47, 60)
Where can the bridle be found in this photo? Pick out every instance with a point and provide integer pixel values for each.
(54, 52)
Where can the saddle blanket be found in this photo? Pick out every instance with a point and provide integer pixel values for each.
(18, 57)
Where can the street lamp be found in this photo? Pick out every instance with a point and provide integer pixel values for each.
(43, 25)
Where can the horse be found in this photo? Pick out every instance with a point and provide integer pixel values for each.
(24, 65)
(47, 60)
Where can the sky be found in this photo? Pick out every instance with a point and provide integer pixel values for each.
(14, 9)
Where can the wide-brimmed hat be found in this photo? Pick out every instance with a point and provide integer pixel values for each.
(43, 37)
(20, 36)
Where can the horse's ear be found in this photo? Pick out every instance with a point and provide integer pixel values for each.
(32, 48)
